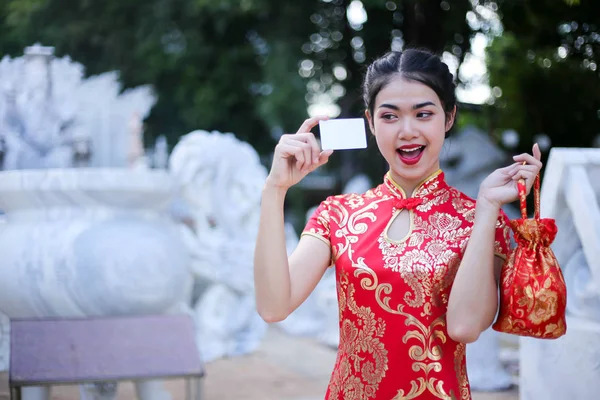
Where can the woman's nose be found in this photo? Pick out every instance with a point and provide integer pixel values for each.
(408, 129)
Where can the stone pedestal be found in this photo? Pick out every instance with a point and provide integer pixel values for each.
(565, 368)
(80, 242)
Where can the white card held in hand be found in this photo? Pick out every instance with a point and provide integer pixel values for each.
(343, 134)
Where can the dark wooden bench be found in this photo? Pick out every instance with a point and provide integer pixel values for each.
(46, 352)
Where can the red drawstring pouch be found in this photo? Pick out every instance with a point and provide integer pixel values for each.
(533, 294)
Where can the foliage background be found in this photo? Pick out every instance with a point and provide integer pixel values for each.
(254, 67)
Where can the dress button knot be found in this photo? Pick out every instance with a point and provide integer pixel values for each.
(408, 204)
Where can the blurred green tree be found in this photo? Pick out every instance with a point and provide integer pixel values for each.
(249, 67)
(221, 65)
(348, 35)
(545, 71)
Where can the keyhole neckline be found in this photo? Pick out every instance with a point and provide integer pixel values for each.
(422, 188)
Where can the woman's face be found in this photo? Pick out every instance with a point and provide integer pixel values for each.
(409, 124)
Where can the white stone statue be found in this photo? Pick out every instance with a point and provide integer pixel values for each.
(135, 156)
(51, 117)
(221, 180)
(67, 225)
(568, 368)
(37, 130)
(160, 155)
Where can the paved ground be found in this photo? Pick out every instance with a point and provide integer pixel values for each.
(284, 368)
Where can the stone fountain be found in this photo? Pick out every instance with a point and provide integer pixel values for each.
(87, 229)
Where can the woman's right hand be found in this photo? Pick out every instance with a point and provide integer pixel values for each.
(297, 155)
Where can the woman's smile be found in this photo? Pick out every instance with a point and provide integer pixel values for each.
(410, 154)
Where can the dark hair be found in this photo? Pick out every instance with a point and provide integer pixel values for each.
(413, 64)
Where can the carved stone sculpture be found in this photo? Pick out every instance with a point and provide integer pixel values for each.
(221, 180)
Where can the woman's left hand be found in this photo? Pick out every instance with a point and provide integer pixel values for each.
(500, 187)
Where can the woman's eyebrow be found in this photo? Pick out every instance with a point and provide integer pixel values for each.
(414, 107)
(421, 105)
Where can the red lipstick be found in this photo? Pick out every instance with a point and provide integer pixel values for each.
(410, 154)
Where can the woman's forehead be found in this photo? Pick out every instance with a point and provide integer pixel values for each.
(402, 91)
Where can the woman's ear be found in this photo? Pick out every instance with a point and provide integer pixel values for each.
(370, 120)
(450, 119)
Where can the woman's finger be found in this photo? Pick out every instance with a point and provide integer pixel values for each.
(311, 123)
(314, 145)
(514, 169)
(527, 176)
(307, 151)
(308, 157)
(531, 168)
(285, 149)
(316, 149)
(509, 168)
(323, 158)
(294, 152)
(528, 158)
(537, 154)
(528, 170)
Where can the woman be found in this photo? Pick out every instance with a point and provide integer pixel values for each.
(417, 262)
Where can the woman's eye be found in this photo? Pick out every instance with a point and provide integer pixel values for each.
(387, 116)
(424, 114)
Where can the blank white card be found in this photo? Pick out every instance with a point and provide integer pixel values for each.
(343, 134)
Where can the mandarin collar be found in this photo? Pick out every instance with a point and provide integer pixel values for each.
(431, 184)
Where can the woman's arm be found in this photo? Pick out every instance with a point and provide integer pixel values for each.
(282, 285)
(473, 299)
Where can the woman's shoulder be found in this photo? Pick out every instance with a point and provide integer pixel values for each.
(462, 201)
(461, 197)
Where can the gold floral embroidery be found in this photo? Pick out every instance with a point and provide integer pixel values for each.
(533, 303)
(356, 201)
(427, 272)
(501, 247)
(463, 206)
(441, 198)
(461, 371)
(425, 263)
(546, 305)
(427, 354)
(357, 377)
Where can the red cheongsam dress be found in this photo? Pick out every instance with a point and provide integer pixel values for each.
(393, 295)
